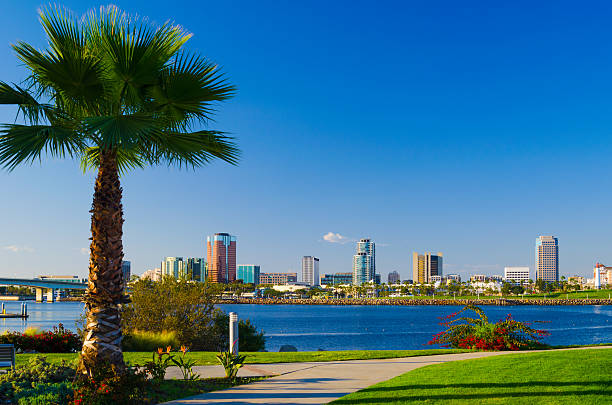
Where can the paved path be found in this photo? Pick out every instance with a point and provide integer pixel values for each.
(316, 383)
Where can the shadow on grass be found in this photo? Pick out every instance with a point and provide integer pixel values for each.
(486, 385)
(466, 397)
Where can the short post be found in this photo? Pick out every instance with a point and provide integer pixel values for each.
(25, 309)
(22, 311)
(233, 333)
(3, 308)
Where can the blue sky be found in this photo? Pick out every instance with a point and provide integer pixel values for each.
(461, 127)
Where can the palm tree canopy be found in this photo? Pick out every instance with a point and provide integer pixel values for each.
(112, 83)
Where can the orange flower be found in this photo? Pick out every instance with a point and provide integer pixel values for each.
(160, 351)
(168, 349)
(184, 349)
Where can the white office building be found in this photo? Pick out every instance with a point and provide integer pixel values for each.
(310, 270)
(517, 274)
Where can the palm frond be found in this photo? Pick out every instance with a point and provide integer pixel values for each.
(127, 159)
(29, 107)
(26, 143)
(133, 51)
(189, 88)
(191, 150)
(115, 131)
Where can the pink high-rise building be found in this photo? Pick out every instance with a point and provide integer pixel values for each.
(221, 256)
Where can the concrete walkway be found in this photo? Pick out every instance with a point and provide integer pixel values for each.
(317, 383)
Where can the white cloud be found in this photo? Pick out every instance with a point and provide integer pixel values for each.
(85, 251)
(335, 238)
(17, 249)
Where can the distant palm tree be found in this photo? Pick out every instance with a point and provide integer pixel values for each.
(117, 93)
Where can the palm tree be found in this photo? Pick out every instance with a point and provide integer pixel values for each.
(117, 93)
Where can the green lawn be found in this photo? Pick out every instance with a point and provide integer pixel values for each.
(207, 358)
(563, 377)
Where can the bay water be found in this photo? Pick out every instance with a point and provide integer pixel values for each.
(369, 327)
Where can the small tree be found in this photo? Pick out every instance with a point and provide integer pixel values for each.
(187, 308)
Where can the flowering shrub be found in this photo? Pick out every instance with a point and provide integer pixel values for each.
(186, 365)
(58, 340)
(156, 369)
(108, 387)
(480, 334)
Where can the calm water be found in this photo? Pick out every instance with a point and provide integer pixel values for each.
(362, 327)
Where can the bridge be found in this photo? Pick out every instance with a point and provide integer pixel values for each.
(43, 287)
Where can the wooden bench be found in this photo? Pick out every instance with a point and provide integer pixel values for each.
(7, 356)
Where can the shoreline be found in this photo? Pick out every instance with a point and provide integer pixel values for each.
(417, 302)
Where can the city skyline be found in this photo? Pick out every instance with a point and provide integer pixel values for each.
(462, 115)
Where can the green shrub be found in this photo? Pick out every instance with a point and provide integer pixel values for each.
(250, 340)
(46, 394)
(148, 341)
(37, 371)
(188, 309)
(173, 305)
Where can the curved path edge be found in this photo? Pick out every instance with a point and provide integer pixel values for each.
(323, 382)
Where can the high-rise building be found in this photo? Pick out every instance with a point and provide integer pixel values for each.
(425, 266)
(173, 266)
(393, 277)
(310, 270)
(517, 274)
(337, 278)
(248, 273)
(277, 278)
(192, 268)
(364, 262)
(195, 268)
(221, 252)
(126, 269)
(547, 258)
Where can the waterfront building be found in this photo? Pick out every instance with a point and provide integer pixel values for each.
(277, 278)
(310, 270)
(393, 277)
(516, 274)
(453, 277)
(362, 266)
(424, 266)
(602, 276)
(377, 279)
(126, 269)
(579, 280)
(221, 258)
(337, 278)
(547, 258)
(152, 274)
(173, 266)
(249, 273)
(195, 269)
(478, 278)
(364, 262)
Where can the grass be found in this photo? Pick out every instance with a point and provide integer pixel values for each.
(144, 341)
(208, 358)
(563, 377)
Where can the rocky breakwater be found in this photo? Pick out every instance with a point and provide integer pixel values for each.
(419, 301)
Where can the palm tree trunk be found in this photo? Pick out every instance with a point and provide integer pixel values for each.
(102, 345)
